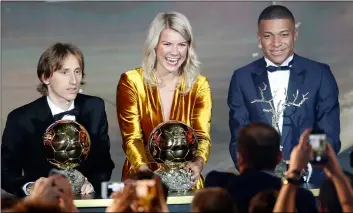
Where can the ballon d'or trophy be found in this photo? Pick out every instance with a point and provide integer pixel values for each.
(172, 144)
(67, 144)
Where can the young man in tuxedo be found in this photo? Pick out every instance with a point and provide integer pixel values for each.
(302, 93)
(23, 160)
(257, 156)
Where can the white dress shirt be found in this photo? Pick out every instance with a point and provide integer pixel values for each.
(279, 85)
(56, 110)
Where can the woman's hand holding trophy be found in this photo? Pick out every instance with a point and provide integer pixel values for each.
(173, 145)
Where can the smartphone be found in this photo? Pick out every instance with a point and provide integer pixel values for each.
(57, 171)
(318, 142)
(108, 188)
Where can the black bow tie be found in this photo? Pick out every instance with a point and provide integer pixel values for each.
(74, 112)
(279, 68)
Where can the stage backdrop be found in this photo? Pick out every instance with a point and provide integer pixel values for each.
(111, 36)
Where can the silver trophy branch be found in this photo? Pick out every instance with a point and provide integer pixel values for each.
(276, 115)
(281, 106)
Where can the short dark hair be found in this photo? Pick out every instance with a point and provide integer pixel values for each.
(52, 60)
(259, 144)
(328, 194)
(275, 12)
(36, 205)
(263, 201)
(214, 199)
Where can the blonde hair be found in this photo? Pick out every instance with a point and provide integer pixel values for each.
(189, 70)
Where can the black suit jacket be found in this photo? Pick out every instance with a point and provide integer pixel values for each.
(22, 143)
(321, 109)
(244, 186)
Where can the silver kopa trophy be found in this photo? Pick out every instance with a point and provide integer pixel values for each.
(172, 145)
(277, 113)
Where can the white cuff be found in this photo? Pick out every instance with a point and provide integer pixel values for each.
(24, 187)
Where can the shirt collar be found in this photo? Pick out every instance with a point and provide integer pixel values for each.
(55, 109)
(285, 63)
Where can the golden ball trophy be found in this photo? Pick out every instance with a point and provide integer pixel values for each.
(172, 145)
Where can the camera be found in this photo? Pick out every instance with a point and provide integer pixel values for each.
(318, 142)
(108, 188)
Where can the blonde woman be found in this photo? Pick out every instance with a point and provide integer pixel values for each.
(168, 86)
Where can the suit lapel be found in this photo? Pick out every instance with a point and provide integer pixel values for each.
(81, 118)
(295, 83)
(260, 79)
(44, 115)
